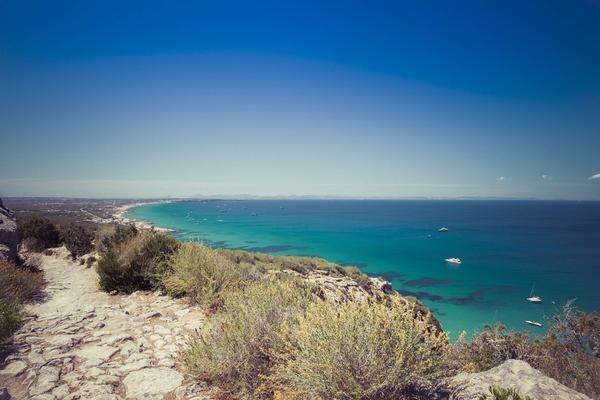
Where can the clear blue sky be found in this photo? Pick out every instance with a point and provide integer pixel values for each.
(350, 98)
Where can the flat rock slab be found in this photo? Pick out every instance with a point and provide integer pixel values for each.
(95, 352)
(14, 368)
(151, 382)
(518, 375)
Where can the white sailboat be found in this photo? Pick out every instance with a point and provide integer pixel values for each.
(534, 323)
(532, 298)
(443, 229)
(453, 260)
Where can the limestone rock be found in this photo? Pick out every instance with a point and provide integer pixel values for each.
(95, 352)
(14, 368)
(46, 380)
(515, 374)
(163, 381)
(9, 238)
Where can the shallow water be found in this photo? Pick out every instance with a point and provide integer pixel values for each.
(505, 247)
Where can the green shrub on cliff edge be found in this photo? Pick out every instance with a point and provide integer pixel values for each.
(76, 239)
(204, 274)
(137, 264)
(38, 233)
(361, 351)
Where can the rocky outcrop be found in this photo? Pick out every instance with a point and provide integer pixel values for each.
(9, 238)
(518, 375)
(337, 288)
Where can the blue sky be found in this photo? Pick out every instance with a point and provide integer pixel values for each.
(353, 98)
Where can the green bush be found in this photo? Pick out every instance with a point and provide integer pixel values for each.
(76, 239)
(499, 393)
(137, 264)
(492, 347)
(361, 351)
(38, 232)
(109, 235)
(236, 349)
(10, 319)
(19, 284)
(204, 274)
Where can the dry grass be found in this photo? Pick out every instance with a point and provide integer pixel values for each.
(19, 284)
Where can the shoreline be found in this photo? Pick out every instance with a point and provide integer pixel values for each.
(120, 216)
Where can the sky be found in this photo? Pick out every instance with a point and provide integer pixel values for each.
(275, 98)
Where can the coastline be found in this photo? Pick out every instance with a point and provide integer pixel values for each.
(120, 215)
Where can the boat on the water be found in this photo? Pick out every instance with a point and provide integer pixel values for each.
(532, 298)
(453, 260)
(443, 229)
(534, 323)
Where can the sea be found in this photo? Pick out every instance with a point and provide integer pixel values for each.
(508, 249)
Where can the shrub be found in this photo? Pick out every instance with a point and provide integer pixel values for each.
(236, 349)
(356, 274)
(361, 351)
(38, 233)
(295, 263)
(10, 319)
(499, 393)
(570, 352)
(76, 238)
(136, 264)
(204, 274)
(19, 284)
(108, 235)
(492, 347)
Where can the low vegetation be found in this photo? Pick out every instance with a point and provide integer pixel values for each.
(266, 262)
(237, 350)
(20, 284)
(569, 352)
(499, 393)
(205, 275)
(366, 350)
(38, 233)
(76, 238)
(10, 319)
(136, 263)
(110, 235)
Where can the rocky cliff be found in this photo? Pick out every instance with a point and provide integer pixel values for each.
(9, 239)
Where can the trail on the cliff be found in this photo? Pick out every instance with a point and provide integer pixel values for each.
(81, 343)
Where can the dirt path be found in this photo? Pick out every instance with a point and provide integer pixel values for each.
(81, 343)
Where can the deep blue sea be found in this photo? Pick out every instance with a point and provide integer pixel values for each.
(506, 247)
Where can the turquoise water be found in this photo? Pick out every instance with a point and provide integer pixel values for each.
(505, 248)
